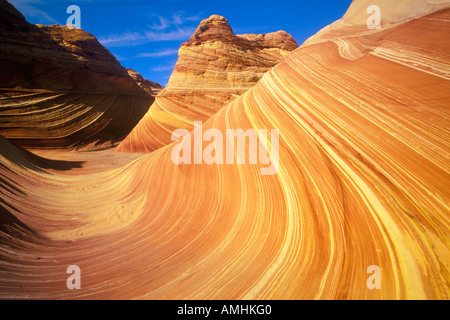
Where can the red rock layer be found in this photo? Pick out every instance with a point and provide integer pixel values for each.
(363, 180)
(214, 67)
(61, 88)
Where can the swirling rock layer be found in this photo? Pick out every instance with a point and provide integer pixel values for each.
(61, 88)
(363, 180)
(214, 67)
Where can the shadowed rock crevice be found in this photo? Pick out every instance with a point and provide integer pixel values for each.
(26, 159)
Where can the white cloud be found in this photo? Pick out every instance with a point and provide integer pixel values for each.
(177, 19)
(163, 68)
(179, 34)
(163, 24)
(157, 54)
(136, 38)
(28, 8)
(122, 39)
(171, 28)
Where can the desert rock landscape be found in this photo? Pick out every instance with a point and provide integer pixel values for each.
(60, 88)
(214, 67)
(87, 178)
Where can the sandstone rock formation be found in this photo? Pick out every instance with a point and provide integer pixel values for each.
(355, 19)
(362, 181)
(62, 88)
(214, 67)
(150, 87)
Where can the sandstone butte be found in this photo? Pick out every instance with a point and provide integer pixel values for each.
(214, 67)
(150, 87)
(363, 180)
(62, 88)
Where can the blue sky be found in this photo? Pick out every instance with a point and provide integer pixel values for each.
(145, 35)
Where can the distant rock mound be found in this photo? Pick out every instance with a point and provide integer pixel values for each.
(214, 67)
(60, 87)
(280, 39)
(151, 87)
